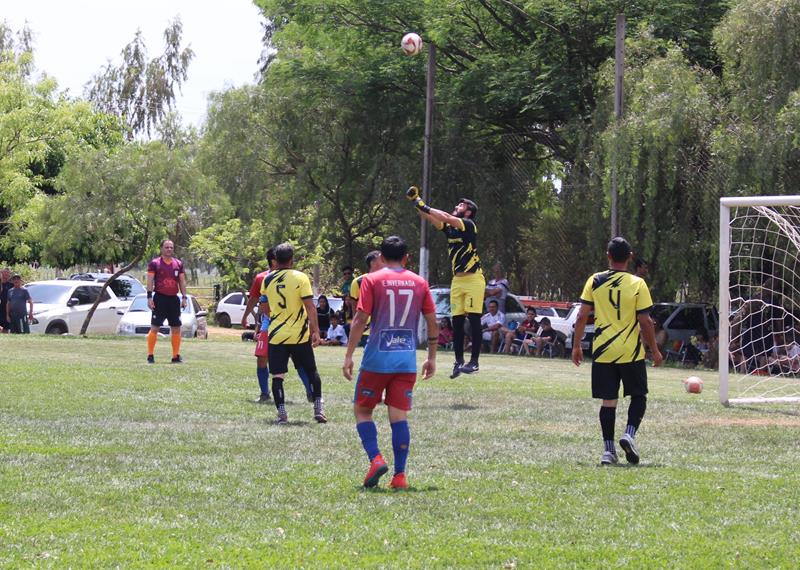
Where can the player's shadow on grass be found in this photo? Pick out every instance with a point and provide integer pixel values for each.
(397, 492)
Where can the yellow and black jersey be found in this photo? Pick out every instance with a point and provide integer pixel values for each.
(285, 290)
(462, 247)
(618, 297)
(355, 291)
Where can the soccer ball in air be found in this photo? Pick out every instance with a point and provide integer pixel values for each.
(411, 44)
(693, 385)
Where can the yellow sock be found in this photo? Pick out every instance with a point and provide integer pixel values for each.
(151, 342)
(176, 344)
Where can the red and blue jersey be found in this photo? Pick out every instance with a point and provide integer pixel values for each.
(395, 299)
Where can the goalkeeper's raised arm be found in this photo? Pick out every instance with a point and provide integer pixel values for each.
(436, 217)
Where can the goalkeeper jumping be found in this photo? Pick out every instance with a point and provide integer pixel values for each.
(468, 285)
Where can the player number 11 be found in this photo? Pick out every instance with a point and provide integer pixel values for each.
(408, 294)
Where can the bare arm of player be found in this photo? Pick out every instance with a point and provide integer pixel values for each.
(580, 327)
(151, 283)
(182, 285)
(429, 366)
(251, 304)
(313, 323)
(357, 327)
(649, 335)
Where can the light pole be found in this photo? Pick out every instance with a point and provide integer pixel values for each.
(427, 159)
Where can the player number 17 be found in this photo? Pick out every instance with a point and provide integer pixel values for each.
(408, 294)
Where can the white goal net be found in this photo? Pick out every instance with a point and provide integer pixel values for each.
(759, 299)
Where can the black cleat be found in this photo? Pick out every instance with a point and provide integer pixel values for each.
(469, 367)
(456, 370)
(262, 399)
(151, 359)
(629, 447)
(177, 360)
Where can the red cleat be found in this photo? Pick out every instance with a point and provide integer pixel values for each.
(399, 481)
(377, 469)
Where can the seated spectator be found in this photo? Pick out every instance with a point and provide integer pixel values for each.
(547, 336)
(324, 313)
(336, 335)
(445, 333)
(698, 345)
(785, 357)
(491, 323)
(529, 325)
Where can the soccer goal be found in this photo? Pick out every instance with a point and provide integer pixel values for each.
(759, 300)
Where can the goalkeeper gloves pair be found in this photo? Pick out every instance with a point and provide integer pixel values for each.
(413, 194)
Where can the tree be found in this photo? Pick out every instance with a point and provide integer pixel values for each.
(139, 91)
(115, 206)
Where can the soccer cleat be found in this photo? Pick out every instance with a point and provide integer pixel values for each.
(176, 359)
(469, 367)
(282, 419)
(377, 469)
(319, 412)
(151, 359)
(399, 481)
(263, 399)
(609, 458)
(456, 369)
(631, 453)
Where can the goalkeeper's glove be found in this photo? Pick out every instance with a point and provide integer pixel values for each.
(413, 194)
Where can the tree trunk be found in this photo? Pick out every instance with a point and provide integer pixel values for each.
(90, 314)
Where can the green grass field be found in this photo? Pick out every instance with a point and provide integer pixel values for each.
(108, 462)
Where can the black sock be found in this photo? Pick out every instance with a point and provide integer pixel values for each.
(277, 391)
(316, 385)
(458, 337)
(607, 418)
(477, 338)
(636, 411)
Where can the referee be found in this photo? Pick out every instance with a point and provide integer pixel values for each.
(621, 303)
(165, 279)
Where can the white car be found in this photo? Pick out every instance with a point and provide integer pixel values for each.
(60, 307)
(136, 320)
(230, 310)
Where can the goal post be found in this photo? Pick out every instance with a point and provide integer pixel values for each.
(759, 300)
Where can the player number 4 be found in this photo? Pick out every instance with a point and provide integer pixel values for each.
(408, 294)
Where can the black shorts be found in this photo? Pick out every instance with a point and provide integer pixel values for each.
(606, 377)
(302, 356)
(167, 307)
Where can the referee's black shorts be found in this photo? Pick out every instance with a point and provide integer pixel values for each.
(167, 307)
(302, 356)
(606, 377)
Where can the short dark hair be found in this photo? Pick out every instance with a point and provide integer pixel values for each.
(531, 310)
(619, 249)
(495, 302)
(284, 253)
(270, 255)
(393, 248)
(335, 316)
(371, 256)
(545, 321)
(471, 206)
(347, 268)
(163, 241)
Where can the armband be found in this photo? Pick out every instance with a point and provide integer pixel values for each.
(262, 299)
(422, 206)
(149, 294)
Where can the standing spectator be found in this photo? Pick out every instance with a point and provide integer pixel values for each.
(335, 335)
(395, 298)
(621, 304)
(347, 274)
(445, 339)
(373, 263)
(491, 323)
(529, 325)
(324, 313)
(16, 315)
(468, 285)
(641, 268)
(165, 279)
(497, 289)
(5, 286)
(287, 299)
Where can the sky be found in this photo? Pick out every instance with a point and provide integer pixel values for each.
(75, 39)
